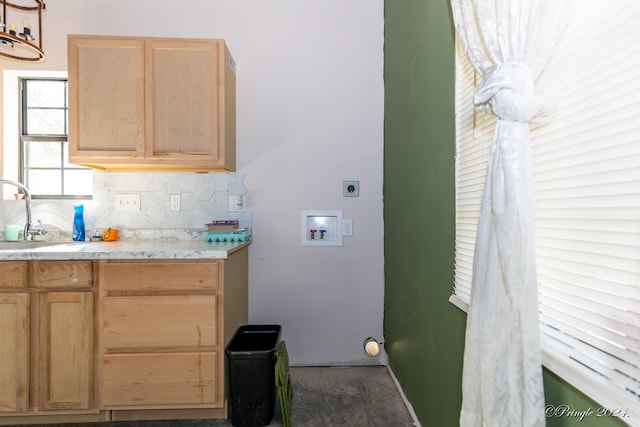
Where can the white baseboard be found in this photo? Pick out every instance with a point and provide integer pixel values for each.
(404, 398)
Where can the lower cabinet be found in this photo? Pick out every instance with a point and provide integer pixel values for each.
(46, 337)
(160, 349)
(14, 352)
(162, 328)
(64, 351)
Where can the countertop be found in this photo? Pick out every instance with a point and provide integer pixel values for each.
(127, 249)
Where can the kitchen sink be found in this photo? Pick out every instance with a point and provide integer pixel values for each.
(31, 244)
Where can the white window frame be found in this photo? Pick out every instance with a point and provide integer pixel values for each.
(11, 122)
(11, 146)
(62, 168)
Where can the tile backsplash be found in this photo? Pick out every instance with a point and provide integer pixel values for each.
(204, 197)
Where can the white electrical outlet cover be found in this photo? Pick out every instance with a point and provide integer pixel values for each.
(347, 227)
(174, 204)
(127, 202)
(236, 202)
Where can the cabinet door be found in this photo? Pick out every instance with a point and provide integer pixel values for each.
(65, 353)
(14, 352)
(184, 111)
(106, 99)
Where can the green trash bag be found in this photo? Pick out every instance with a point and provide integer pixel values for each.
(283, 382)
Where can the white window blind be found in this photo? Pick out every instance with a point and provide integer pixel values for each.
(587, 197)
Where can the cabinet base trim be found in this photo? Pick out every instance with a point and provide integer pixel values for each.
(54, 418)
(169, 414)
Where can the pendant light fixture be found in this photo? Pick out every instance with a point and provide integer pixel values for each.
(21, 45)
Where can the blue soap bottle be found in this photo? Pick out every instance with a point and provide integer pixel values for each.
(78, 223)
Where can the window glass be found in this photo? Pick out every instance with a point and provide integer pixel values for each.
(41, 154)
(45, 181)
(46, 93)
(42, 121)
(46, 107)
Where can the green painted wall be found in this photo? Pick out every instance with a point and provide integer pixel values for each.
(424, 333)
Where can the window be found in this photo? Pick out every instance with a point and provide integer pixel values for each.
(587, 197)
(44, 168)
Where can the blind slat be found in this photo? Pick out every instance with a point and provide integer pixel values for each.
(596, 359)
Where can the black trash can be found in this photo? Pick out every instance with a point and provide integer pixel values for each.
(251, 363)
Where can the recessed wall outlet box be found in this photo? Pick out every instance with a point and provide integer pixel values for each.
(350, 188)
(174, 204)
(127, 202)
(321, 228)
(236, 202)
(347, 227)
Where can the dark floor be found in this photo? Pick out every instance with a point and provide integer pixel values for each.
(351, 396)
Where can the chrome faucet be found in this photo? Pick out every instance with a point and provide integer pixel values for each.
(29, 229)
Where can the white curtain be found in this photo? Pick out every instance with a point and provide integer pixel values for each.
(508, 42)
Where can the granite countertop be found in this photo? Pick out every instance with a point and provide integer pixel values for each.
(126, 249)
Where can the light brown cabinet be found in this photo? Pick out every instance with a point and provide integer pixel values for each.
(65, 351)
(46, 330)
(163, 327)
(151, 103)
(14, 351)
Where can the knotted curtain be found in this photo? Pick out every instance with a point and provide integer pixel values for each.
(508, 42)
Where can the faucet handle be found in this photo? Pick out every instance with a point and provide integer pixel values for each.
(38, 231)
(43, 230)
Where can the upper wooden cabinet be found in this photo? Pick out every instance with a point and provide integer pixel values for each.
(151, 104)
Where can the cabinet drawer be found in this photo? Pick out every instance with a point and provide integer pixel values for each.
(62, 274)
(140, 322)
(159, 276)
(13, 274)
(159, 379)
